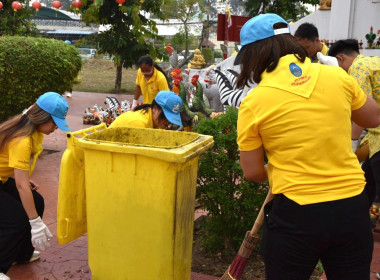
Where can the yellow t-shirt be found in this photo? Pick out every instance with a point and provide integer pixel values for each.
(303, 122)
(20, 153)
(324, 51)
(138, 118)
(150, 88)
(366, 71)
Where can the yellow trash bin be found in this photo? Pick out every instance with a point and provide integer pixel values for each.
(140, 195)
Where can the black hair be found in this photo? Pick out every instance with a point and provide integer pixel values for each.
(146, 107)
(348, 47)
(306, 31)
(264, 55)
(149, 61)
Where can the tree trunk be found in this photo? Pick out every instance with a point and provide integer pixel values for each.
(119, 74)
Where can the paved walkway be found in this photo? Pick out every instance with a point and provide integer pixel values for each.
(70, 261)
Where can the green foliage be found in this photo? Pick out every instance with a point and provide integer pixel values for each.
(208, 55)
(218, 54)
(287, 9)
(232, 202)
(16, 23)
(30, 67)
(184, 10)
(130, 35)
(179, 41)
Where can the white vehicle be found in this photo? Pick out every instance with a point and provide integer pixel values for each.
(87, 53)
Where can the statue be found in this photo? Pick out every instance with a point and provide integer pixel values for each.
(325, 4)
(370, 38)
(198, 61)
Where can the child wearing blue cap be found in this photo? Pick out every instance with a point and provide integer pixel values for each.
(164, 110)
(21, 206)
(300, 115)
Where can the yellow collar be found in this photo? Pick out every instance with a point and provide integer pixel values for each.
(292, 76)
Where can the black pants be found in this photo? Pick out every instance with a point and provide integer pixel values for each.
(371, 168)
(338, 233)
(15, 235)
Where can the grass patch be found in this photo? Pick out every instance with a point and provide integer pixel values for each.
(99, 75)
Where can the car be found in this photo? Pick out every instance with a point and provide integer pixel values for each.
(181, 55)
(87, 53)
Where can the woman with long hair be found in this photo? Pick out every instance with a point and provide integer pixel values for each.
(21, 206)
(300, 115)
(150, 80)
(164, 110)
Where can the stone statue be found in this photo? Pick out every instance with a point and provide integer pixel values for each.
(370, 39)
(325, 4)
(198, 61)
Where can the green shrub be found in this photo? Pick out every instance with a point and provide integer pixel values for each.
(218, 54)
(30, 67)
(208, 55)
(232, 202)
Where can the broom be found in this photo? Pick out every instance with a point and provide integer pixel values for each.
(235, 270)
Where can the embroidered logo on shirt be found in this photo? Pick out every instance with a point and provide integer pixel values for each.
(176, 108)
(295, 69)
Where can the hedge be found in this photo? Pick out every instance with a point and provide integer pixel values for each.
(30, 67)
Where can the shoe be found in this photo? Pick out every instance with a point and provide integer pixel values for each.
(35, 257)
(4, 277)
(69, 94)
(377, 275)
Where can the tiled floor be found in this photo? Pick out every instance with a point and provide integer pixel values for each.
(70, 261)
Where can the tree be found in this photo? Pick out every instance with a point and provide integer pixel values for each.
(288, 9)
(16, 22)
(130, 32)
(184, 10)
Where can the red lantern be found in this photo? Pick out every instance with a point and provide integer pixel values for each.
(77, 4)
(1, 5)
(36, 5)
(121, 2)
(57, 4)
(16, 6)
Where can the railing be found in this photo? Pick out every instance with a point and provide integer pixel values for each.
(60, 22)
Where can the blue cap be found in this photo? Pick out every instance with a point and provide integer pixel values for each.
(259, 28)
(171, 105)
(56, 106)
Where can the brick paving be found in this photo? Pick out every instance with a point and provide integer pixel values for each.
(61, 262)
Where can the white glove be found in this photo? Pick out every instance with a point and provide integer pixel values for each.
(327, 60)
(40, 233)
(134, 103)
(355, 145)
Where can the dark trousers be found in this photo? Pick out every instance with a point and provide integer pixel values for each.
(338, 233)
(371, 168)
(15, 235)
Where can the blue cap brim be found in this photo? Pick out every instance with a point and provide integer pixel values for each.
(173, 118)
(61, 123)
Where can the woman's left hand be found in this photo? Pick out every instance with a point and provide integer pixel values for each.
(33, 185)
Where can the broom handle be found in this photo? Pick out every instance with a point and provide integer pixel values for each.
(260, 216)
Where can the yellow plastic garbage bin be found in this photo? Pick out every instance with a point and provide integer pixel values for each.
(140, 196)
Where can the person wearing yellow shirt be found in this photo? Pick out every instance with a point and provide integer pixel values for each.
(366, 71)
(150, 80)
(164, 110)
(21, 206)
(302, 122)
(308, 37)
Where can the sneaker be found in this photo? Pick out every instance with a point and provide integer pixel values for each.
(69, 94)
(377, 275)
(4, 277)
(35, 257)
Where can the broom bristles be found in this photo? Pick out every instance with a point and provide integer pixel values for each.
(236, 269)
